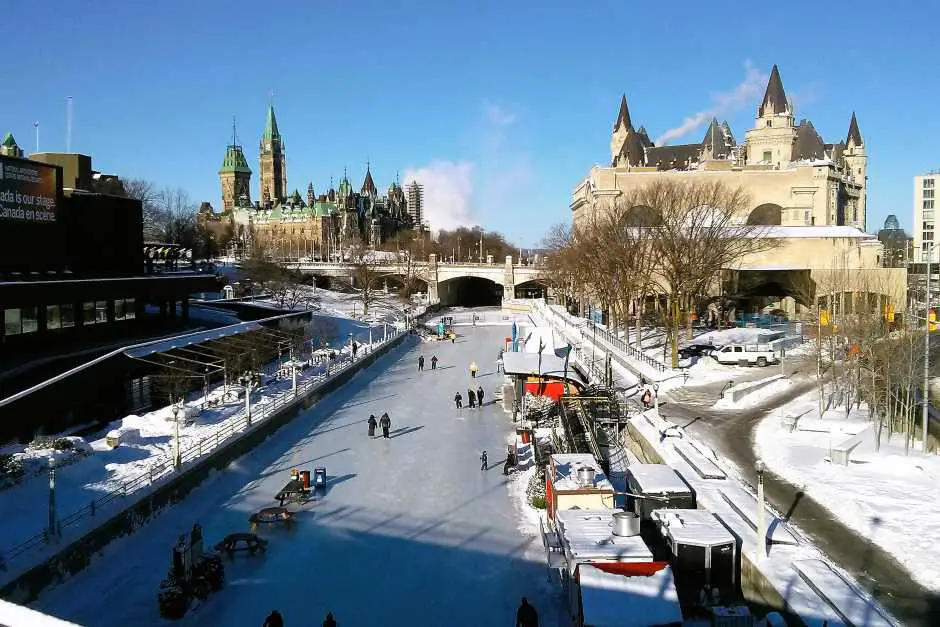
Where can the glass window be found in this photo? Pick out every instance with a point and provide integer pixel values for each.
(67, 315)
(928, 193)
(30, 319)
(101, 311)
(11, 322)
(130, 311)
(118, 308)
(767, 155)
(738, 349)
(928, 236)
(928, 183)
(928, 204)
(88, 313)
(53, 317)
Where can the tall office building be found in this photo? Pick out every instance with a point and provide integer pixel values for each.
(925, 186)
(416, 203)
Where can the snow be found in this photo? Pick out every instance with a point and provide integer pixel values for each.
(587, 536)
(657, 479)
(879, 495)
(410, 531)
(773, 387)
(737, 335)
(18, 616)
(612, 600)
(692, 526)
(565, 467)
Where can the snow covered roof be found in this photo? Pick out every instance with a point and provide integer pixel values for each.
(614, 600)
(565, 467)
(190, 339)
(588, 536)
(528, 363)
(657, 479)
(545, 340)
(692, 526)
(780, 232)
(12, 615)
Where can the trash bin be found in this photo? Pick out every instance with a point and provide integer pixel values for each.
(305, 479)
(526, 437)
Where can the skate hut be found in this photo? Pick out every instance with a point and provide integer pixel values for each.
(576, 480)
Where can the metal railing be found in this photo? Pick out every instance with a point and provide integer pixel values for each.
(164, 467)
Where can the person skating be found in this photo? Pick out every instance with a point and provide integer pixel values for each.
(471, 398)
(420, 363)
(510, 460)
(434, 362)
(458, 400)
(329, 621)
(526, 616)
(480, 395)
(473, 369)
(372, 425)
(483, 462)
(385, 422)
(274, 619)
(355, 349)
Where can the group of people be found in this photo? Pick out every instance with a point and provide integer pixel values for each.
(474, 399)
(275, 619)
(385, 422)
(421, 363)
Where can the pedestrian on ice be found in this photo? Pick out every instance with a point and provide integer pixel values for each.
(453, 338)
(480, 395)
(471, 398)
(484, 465)
(434, 362)
(510, 460)
(420, 363)
(458, 400)
(473, 369)
(526, 616)
(372, 425)
(274, 619)
(329, 621)
(355, 349)
(385, 422)
(647, 399)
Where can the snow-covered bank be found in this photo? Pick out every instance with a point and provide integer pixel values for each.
(886, 496)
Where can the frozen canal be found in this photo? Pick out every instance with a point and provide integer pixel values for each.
(411, 531)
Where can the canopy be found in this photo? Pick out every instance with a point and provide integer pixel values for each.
(163, 346)
(623, 600)
(551, 365)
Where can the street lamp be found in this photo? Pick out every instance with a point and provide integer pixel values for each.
(761, 521)
(52, 514)
(656, 397)
(249, 380)
(177, 458)
(352, 356)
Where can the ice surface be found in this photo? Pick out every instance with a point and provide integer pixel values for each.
(410, 532)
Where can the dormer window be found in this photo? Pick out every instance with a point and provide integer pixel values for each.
(770, 122)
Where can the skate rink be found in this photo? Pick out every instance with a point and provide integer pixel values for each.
(410, 531)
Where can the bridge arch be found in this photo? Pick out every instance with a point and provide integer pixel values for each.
(469, 291)
(642, 215)
(531, 288)
(766, 214)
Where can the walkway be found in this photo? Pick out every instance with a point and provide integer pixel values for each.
(410, 532)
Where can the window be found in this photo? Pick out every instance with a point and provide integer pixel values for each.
(928, 204)
(101, 311)
(859, 170)
(11, 322)
(67, 315)
(53, 317)
(738, 349)
(768, 155)
(88, 313)
(769, 122)
(928, 193)
(928, 183)
(124, 309)
(928, 226)
(928, 236)
(30, 319)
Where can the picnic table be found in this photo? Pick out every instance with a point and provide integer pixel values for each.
(241, 542)
(293, 492)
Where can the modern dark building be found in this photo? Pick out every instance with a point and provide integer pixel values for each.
(899, 246)
(72, 271)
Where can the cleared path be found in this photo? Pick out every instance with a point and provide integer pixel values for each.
(411, 531)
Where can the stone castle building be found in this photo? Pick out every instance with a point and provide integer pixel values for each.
(9, 147)
(811, 192)
(293, 225)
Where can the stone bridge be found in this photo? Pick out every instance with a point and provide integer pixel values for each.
(443, 279)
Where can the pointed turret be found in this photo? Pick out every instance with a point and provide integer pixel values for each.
(368, 185)
(270, 127)
(9, 146)
(644, 137)
(623, 117)
(854, 135)
(775, 98)
(311, 197)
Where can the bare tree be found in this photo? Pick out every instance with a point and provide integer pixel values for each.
(180, 217)
(367, 276)
(154, 220)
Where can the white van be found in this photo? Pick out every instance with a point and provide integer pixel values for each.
(121, 436)
(750, 354)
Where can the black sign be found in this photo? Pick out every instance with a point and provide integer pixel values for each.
(28, 191)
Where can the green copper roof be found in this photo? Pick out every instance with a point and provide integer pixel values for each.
(324, 209)
(8, 140)
(235, 161)
(345, 188)
(270, 128)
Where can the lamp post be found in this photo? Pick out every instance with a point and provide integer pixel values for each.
(926, 394)
(293, 371)
(656, 397)
(177, 460)
(52, 515)
(248, 381)
(352, 357)
(761, 521)
(205, 388)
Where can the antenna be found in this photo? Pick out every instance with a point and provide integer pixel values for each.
(234, 141)
(68, 126)
(36, 126)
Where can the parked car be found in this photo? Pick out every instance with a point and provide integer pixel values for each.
(696, 350)
(751, 354)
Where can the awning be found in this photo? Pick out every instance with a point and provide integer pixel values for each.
(518, 363)
(163, 346)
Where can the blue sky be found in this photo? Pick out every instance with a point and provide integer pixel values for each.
(502, 107)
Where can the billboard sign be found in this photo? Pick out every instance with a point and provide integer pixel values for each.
(28, 192)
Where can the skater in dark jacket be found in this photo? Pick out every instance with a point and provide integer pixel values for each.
(526, 616)
(510, 460)
(274, 619)
(458, 400)
(385, 422)
(420, 363)
(471, 398)
(434, 362)
(480, 396)
(484, 465)
(329, 621)
(372, 425)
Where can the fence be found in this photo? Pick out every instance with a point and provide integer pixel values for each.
(165, 467)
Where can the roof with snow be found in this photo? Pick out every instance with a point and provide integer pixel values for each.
(545, 340)
(692, 526)
(615, 600)
(565, 467)
(189, 339)
(587, 534)
(657, 479)
(550, 365)
(774, 232)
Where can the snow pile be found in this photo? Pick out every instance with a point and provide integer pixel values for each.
(39, 454)
(737, 335)
(770, 390)
(883, 496)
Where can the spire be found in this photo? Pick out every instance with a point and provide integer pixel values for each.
(368, 185)
(270, 128)
(9, 142)
(775, 99)
(623, 118)
(854, 134)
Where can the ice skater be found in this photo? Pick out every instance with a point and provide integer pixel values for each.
(471, 398)
(473, 369)
(510, 460)
(434, 362)
(421, 363)
(329, 621)
(480, 395)
(274, 619)
(372, 425)
(484, 465)
(385, 422)
(526, 616)
(458, 400)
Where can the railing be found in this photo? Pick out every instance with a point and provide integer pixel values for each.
(164, 467)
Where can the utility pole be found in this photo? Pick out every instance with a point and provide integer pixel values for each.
(52, 514)
(926, 393)
(761, 521)
(36, 126)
